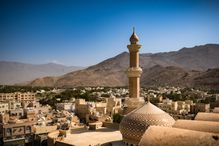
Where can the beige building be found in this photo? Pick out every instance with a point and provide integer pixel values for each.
(30, 114)
(113, 105)
(43, 129)
(216, 110)
(202, 107)
(3, 107)
(4, 118)
(17, 112)
(65, 106)
(14, 105)
(18, 96)
(100, 108)
(83, 109)
(44, 109)
(176, 107)
(87, 111)
(16, 132)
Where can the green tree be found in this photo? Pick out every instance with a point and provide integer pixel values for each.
(117, 118)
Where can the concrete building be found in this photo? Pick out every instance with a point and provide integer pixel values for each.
(18, 96)
(16, 132)
(100, 108)
(65, 106)
(88, 111)
(3, 107)
(30, 104)
(216, 110)
(83, 109)
(4, 118)
(41, 133)
(7, 96)
(44, 109)
(30, 114)
(19, 112)
(202, 107)
(14, 105)
(176, 107)
(113, 105)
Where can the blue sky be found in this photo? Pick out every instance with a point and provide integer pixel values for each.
(83, 33)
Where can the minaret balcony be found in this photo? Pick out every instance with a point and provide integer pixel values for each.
(134, 72)
(134, 47)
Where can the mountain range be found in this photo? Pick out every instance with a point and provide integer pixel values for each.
(188, 67)
(15, 72)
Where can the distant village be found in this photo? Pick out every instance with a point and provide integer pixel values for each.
(26, 118)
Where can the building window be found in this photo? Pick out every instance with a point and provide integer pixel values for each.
(8, 132)
(28, 129)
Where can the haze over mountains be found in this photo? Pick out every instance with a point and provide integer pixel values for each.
(186, 67)
(14, 72)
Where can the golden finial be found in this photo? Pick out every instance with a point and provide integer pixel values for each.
(134, 38)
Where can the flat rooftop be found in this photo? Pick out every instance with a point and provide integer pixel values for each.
(101, 136)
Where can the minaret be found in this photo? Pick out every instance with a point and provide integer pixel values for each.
(134, 74)
(134, 71)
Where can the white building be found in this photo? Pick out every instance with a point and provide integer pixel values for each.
(65, 106)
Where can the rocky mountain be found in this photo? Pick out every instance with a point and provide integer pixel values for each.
(171, 68)
(209, 79)
(15, 72)
(196, 58)
(110, 72)
(170, 75)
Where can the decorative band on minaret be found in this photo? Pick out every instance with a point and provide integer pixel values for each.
(134, 71)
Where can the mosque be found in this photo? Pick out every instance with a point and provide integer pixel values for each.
(144, 124)
(134, 124)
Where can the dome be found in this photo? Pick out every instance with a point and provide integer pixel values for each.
(134, 125)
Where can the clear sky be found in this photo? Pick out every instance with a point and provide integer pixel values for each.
(83, 33)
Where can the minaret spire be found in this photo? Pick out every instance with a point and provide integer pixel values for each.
(134, 38)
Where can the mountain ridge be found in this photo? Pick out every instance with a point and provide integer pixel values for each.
(15, 72)
(177, 68)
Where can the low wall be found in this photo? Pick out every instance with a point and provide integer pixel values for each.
(111, 125)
